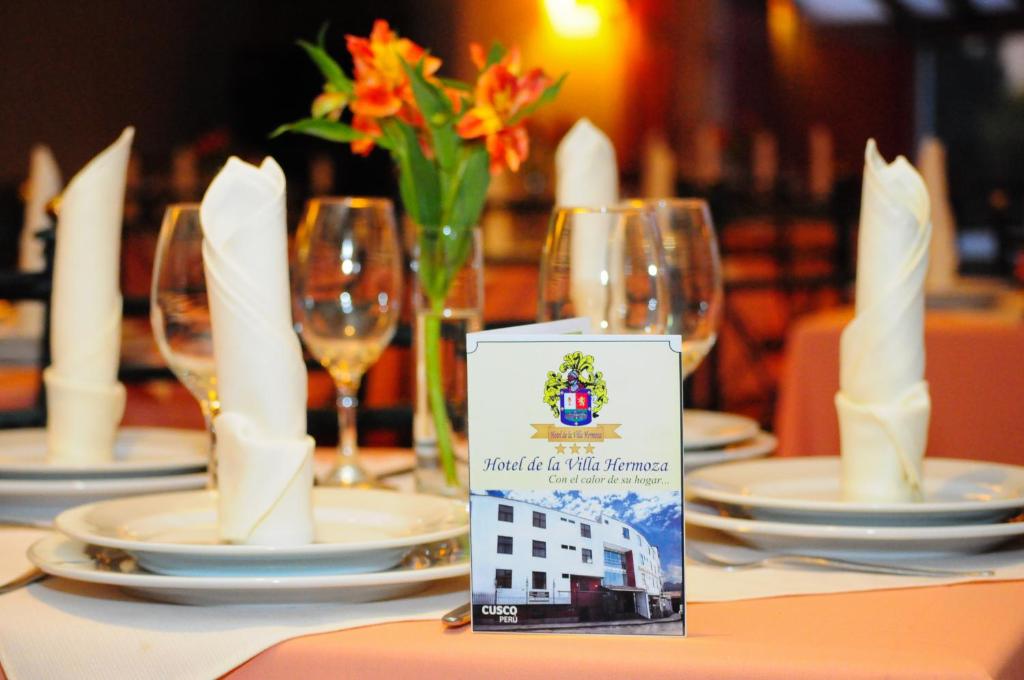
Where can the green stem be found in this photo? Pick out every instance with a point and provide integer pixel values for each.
(435, 390)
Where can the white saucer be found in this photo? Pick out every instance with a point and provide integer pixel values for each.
(67, 558)
(806, 489)
(139, 451)
(873, 543)
(711, 429)
(760, 445)
(357, 530)
(40, 500)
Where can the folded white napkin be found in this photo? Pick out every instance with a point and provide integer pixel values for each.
(883, 401)
(42, 186)
(85, 401)
(264, 457)
(943, 260)
(62, 629)
(587, 176)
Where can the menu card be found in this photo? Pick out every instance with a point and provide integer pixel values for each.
(576, 473)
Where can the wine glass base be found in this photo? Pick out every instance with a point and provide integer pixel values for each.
(349, 475)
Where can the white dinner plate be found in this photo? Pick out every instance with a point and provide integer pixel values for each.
(760, 445)
(138, 451)
(872, 543)
(807, 490)
(356, 530)
(67, 558)
(40, 500)
(711, 429)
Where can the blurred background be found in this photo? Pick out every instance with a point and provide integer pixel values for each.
(762, 108)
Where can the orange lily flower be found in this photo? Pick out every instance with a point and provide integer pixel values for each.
(501, 93)
(368, 126)
(382, 87)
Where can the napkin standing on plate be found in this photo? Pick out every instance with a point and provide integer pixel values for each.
(943, 261)
(587, 176)
(264, 456)
(883, 402)
(85, 401)
(42, 186)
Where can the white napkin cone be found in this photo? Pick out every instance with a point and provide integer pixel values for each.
(883, 401)
(944, 260)
(264, 457)
(85, 401)
(43, 185)
(587, 176)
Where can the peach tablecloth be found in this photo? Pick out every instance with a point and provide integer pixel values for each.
(964, 631)
(975, 372)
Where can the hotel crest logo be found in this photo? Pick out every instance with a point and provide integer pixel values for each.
(575, 393)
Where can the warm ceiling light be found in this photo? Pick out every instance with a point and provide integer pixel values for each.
(574, 18)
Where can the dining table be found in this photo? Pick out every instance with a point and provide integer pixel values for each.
(973, 630)
(972, 365)
(962, 630)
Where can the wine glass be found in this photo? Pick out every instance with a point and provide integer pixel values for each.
(606, 264)
(347, 287)
(179, 312)
(694, 273)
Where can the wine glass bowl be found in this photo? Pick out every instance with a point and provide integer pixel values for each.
(694, 273)
(606, 264)
(180, 311)
(347, 289)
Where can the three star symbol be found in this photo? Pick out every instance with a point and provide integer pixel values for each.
(575, 448)
(590, 448)
(560, 448)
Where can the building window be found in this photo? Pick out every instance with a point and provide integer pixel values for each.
(505, 545)
(540, 549)
(614, 568)
(625, 532)
(565, 576)
(584, 530)
(588, 556)
(540, 580)
(540, 520)
(502, 578)
(504, 513)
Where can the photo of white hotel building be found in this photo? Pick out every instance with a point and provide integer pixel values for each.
(525, 554)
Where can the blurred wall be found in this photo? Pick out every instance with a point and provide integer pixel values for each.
(72, 74)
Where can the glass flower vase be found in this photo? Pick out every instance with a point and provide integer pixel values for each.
(440, 325)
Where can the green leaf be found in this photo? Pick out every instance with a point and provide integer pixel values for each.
(330, 69)
(417, 177)
(546, 97)
(436, 108)
(321, 35)
(330, 130)
(475, 177)
(431, 99)
(495, 54)
(453, 84)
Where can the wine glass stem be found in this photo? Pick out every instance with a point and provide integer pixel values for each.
(347, 403)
